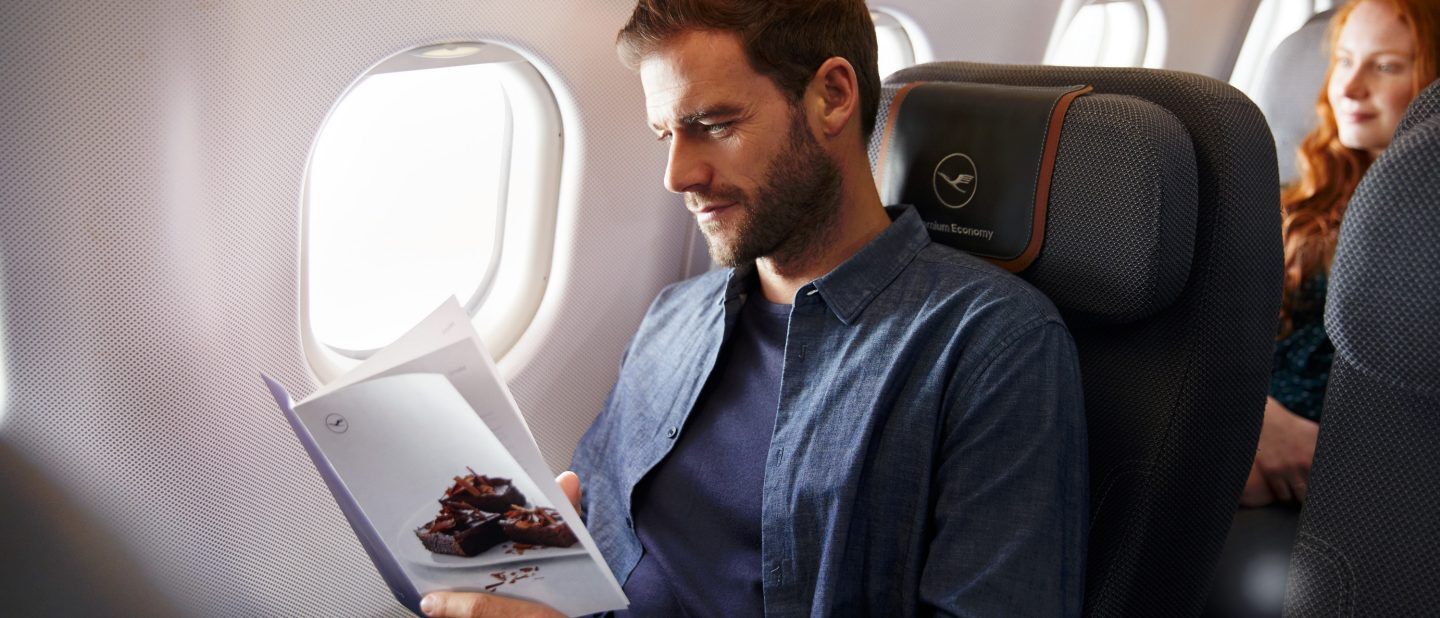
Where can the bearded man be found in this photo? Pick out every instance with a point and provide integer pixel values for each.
(847, 418)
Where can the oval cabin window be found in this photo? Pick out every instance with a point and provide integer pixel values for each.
(435, 175)
(1111, 33)
(895, 50)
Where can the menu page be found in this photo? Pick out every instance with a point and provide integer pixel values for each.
(434, 466)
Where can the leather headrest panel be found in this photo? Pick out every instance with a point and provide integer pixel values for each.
(1119, 229)
(975, 160)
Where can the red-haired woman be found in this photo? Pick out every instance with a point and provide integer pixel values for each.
(1384, 53)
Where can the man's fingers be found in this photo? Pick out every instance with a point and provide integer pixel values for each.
(570, 484)
(477, 605)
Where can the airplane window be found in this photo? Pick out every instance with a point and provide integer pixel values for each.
(896, 50)
(1120, 33)
(1274, 20)
(436, 166)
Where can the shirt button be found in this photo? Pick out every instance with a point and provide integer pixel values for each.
(671, 432)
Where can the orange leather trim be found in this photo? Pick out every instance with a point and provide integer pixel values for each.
(1042, 182)
(885, 137)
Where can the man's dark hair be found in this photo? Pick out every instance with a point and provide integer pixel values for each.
(785, 40)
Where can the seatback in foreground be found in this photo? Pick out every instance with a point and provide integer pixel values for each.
(1172, 301)
(1369, 531)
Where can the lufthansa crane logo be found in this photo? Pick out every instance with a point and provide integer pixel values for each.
(955, 180)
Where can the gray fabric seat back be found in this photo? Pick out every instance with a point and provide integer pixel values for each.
(1162, 250)
(1369, 530)
(57, 559)
(1289, 85)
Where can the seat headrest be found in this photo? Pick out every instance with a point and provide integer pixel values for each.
(1384, 292)
(1291, 79)
(1115, 219)
(1425, 106)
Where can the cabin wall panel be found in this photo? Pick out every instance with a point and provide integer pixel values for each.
(1205, 37)
(976, 30)
(150, 230)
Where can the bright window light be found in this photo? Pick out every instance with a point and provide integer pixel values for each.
(895, 48)
(1274, 20)
(436, 175)
(404, 200)
(1105, 33)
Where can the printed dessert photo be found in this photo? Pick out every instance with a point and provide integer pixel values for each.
(487, 517)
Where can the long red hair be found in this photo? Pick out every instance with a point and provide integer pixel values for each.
(1311, 208)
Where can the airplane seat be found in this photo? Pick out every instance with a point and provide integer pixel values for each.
(1160, 245)
(59, 559)
(1289, 85)
(1424, 108)
(1368, 531)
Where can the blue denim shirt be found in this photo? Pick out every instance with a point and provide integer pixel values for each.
(929, 450)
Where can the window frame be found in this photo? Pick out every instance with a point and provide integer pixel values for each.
(1259, 45)
(1150, 53)
(513, 284)
(886, 21)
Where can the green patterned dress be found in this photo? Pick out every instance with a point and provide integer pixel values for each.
(1301, 366)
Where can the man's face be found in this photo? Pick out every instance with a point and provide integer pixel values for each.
(750, 169)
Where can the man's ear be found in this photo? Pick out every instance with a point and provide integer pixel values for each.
(835, 92)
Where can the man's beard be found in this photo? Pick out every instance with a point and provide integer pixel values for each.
(789, 217)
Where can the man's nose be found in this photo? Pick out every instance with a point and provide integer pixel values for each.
(687, 170)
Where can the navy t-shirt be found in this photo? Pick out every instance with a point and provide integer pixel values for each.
(697, 513)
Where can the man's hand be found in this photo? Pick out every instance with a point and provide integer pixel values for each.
(1281, 471)
(479, 605)
(570, 484)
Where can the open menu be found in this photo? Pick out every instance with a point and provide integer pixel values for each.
(432, 463)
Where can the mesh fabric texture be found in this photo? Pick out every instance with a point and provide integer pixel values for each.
(1373, 492)
(1124, 180)
(1383, 292)
(1368, 532)
(1174, 401)
(1425, 106)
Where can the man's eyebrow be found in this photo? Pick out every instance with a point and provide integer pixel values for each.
(722, 111)
(696, 117)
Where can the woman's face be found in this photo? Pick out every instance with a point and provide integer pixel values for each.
(1373, 77)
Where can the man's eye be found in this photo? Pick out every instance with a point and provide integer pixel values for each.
(717, 129)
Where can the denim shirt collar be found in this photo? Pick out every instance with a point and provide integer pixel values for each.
(850, 287)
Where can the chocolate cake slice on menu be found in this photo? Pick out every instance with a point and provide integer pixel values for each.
(487, 493)
(537, 526)
(461, 530)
